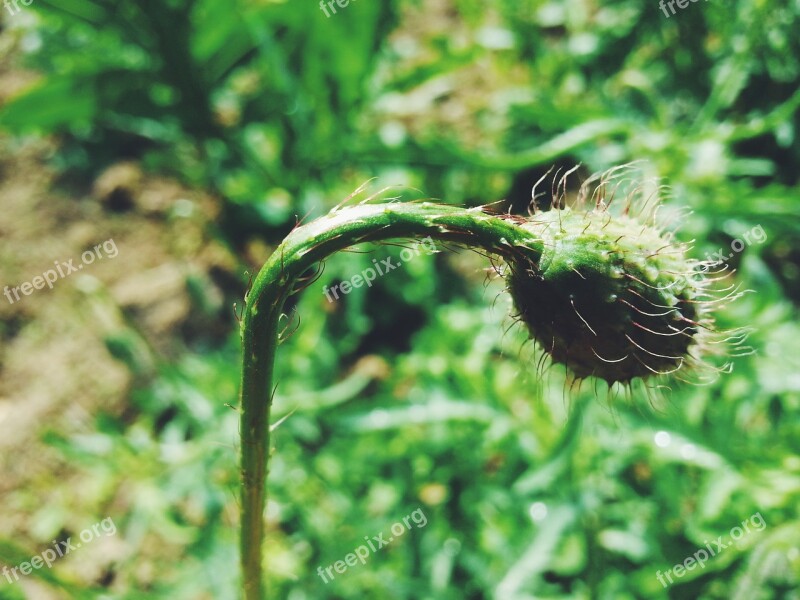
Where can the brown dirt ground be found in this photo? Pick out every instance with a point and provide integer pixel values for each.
(56, 371)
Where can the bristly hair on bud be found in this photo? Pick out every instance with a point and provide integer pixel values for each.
(614, 295)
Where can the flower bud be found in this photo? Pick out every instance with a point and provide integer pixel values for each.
(611, 297)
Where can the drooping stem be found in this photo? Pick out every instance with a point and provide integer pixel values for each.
(301, 250)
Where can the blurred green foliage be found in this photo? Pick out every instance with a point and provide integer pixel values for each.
(414, 392)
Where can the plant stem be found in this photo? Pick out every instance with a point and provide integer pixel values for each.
(301, 250)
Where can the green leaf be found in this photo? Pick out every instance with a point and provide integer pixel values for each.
(55, 103)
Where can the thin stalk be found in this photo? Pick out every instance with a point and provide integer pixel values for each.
(301, 250)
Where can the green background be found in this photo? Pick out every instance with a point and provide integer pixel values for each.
(419, 392)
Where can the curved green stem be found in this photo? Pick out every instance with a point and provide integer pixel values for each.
(301, 250)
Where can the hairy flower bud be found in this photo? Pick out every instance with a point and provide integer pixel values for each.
(611, 297)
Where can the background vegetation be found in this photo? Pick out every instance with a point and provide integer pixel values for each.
(196, 133)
